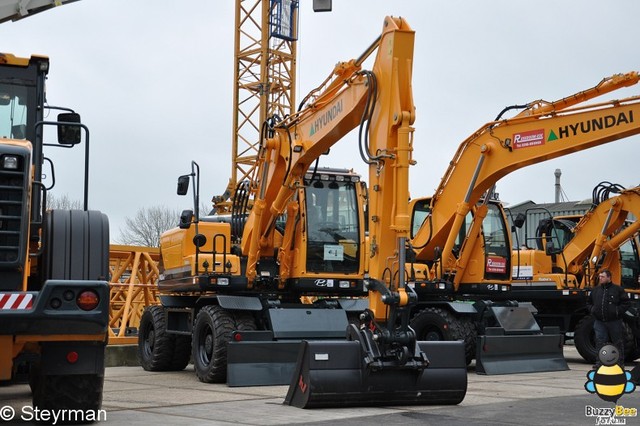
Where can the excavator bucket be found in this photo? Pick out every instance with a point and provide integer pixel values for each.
(518, 346)
(336, 374)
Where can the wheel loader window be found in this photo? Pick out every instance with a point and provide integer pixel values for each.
(13, 111)
(332, 227)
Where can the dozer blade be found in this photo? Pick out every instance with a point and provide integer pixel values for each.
(509, 354)
(334, 374)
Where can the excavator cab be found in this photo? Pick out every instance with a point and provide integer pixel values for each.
(333, 225)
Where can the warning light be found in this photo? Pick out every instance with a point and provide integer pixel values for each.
(72, 357)
(88, 300)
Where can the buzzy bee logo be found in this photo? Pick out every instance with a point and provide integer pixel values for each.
(609, 381)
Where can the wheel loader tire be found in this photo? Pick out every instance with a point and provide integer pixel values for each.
(211, 334)
(69, 392)
(34, 376)
(155, 346)
(76, 245)
(585, 340)
(437, 324)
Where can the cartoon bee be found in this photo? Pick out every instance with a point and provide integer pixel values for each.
(609, 381)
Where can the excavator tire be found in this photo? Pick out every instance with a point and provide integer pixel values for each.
(585, 342)
(437, 324)
(155, 346)
(181, 352)
(213, 328)
(244, 321)
(584, 339)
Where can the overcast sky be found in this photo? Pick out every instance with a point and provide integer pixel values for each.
(153, 81)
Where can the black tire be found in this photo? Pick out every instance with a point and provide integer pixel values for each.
(34, 376)
(437, 324)
(244, 321)
(181, 352)
(631, 351)
(76, 245)
(585, 341)
(211, 333)
(69, 392)
(155, 347)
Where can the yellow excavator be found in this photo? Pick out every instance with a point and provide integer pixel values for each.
(558, 273)
(231, 286)
(463, 257)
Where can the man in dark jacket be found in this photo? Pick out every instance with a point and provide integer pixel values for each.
(607, 303)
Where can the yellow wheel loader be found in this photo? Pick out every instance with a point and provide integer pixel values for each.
(54, 296)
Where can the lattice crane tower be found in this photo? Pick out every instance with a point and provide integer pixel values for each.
(264, 80)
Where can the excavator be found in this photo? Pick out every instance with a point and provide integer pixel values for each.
(232, 286)
(462, 246)
(558, 273)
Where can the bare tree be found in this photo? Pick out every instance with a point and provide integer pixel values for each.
(147, 226)
(63, 202)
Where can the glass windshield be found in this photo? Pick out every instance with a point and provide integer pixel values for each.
(332, 227)
(629, 264)
(13, 111)
(496, 243)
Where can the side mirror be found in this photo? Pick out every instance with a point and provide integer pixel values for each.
(186, 218)
(519, 220)
(183, 185)
(322, 5)
(69, 134)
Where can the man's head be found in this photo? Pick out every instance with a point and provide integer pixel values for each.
(604, 277)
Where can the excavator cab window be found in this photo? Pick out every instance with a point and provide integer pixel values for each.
(496, 242)
(421, 209)
(332, 227)
(630, 265)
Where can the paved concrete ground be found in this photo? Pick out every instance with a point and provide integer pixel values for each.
(135, 397)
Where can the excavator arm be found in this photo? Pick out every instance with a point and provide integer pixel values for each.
(297, 142)
(381, 99)
(600, 231)
(541, 132)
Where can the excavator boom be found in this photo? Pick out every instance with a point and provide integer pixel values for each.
(501, 147)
